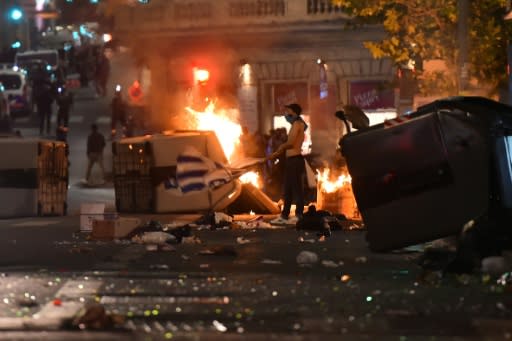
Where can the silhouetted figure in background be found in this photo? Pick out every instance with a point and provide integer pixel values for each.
(275, 169)
(95, 146)
(118, 112)
(65, 104)
(102, 73)
(130, 126)
(246, 141)
(44, 96)
(5, 116)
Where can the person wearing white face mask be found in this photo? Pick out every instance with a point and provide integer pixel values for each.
(294, 166)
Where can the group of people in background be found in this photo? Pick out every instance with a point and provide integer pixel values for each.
(91, 63)
(259, 145)
(45, 94)
(284, 165)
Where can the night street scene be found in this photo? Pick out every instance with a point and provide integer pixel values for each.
(255, 170)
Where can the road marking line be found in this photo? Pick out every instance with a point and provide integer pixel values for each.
(103, 120)
(72, 288)
(28, 132)
(53, 315)
(76, 119)
(11, 323)
(72, 119)
(22, 120)
(64, 310)
(35, 223)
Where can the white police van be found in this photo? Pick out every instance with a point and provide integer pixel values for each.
(17, 90)
(51, 57)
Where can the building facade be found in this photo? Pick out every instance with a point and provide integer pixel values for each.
(22, 32)
(261, 55)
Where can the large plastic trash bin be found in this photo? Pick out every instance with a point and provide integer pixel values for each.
(425, 178)
(33, 177)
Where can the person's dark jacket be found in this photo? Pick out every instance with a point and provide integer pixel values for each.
(118, 107)
(95, 143)
(44, 95)
(65, 101)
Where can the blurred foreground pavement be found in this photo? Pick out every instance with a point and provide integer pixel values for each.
(234, 285)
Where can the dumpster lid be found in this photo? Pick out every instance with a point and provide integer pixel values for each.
(485, 107)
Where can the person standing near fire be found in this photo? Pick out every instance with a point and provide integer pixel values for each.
(294, 170)
(118, 112)
(136, 116)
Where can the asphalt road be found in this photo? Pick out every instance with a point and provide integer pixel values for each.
(237, 284)
(234, 285)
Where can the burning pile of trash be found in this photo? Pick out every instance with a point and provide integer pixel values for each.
(334, 193)
(189, 170)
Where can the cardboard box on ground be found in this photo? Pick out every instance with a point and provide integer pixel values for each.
(95, 218)
(115, 228)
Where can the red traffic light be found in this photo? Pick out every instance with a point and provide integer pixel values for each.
(201, 75)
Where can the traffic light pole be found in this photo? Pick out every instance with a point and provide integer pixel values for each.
(26, 25)
(4, 25)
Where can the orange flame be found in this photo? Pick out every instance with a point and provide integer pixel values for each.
(252, 178)
(223, 123)
(327, 185)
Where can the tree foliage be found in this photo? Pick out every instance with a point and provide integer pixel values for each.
(427, 30)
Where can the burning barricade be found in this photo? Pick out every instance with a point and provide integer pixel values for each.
(334, 194)
(188, 170)
(335, 207)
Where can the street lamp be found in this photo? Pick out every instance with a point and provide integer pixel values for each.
(16, 14)
(19, 17)
(16, 44)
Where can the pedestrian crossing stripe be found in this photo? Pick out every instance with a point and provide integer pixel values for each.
(72, 119)
(70, 300)
(35, 223)
(22, 119)
(103, 120)
(75, 119)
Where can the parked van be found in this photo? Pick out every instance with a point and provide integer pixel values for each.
(49, 56)
(17, 90)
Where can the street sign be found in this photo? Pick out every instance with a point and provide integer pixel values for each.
(47, 14)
